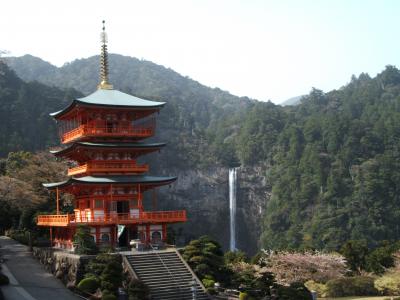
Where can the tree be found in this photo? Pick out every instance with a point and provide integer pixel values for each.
(205, 257)
(355, 252)
(83, 241)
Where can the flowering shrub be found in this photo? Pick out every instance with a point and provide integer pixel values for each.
(290, 267)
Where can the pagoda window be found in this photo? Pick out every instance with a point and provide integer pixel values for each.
(105, 238)
(98, 203)
(133, 203)
(98, 156)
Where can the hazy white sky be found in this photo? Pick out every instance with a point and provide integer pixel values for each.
(262, 49)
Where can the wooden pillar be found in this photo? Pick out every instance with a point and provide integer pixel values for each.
(147, 233)
(164, 232)
(115, 236)
(58, 201)
(51, 236)
(97, 235)
(140, 205)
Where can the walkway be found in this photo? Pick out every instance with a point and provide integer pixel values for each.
(28, 278)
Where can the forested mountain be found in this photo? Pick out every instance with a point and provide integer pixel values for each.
(24, 109)
(331, 163)
(192, 108)
(335, 163)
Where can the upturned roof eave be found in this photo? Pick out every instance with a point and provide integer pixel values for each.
(119, 179)
(108, 145)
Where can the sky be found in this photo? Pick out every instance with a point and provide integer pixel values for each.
(266, 50)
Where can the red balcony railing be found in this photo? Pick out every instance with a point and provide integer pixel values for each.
(101, 131)
(113, 218)
(123, 166)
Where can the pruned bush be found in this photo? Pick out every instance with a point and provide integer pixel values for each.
(83, 241)
(89, 285)
(296, 290)
(244, 296)
(388, 284)
(208, 283)
(109, 297)
(320, 288)
(138, 290)
(351, 286)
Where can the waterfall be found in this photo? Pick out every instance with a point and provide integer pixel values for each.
(232, 208)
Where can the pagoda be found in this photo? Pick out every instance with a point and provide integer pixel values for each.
(103, 133)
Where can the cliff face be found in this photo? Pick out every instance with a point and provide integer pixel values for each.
(205, 196)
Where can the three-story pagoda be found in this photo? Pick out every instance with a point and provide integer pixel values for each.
(103, 133)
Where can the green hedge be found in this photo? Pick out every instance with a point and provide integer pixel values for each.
(89, 285)
(351, 286)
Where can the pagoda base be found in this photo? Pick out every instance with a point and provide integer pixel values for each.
(114, 236)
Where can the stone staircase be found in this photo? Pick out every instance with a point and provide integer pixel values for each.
(166, 274)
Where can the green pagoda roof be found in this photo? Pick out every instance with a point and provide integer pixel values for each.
(116, 179)
(109, 145)
(111, 98)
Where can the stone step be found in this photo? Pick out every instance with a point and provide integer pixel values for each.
(166, 275)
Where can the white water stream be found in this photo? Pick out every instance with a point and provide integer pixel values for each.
(232, 208)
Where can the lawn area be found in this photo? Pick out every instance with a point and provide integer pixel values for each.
(358, 298)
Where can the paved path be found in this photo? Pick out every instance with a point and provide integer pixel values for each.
(28, 278)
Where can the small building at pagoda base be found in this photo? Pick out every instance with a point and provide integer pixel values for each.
(104, 135)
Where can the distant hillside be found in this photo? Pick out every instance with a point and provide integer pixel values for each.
(24, 109)
(134, 76)
(292, 101)
(192, 108)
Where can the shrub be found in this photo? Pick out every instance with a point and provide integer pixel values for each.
(379, 260)
(211, 291)
(388, 284)
(83, 241)
(208, 283)
(4, 279)
(89, 285)
(320, 288)
(109, 297)
(244, 296)
(137, 290)
(296, 290)
(351, 286)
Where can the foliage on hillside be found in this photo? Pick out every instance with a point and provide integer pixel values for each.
(22, 195)
(24, 109)
(335, 171)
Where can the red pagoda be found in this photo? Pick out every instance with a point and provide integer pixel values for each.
(103, 133)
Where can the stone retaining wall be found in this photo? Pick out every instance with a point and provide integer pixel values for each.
(67, 267)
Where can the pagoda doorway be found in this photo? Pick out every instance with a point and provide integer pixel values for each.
(130, 232)
(122, 207)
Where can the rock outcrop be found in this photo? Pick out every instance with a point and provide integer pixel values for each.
(205, 196)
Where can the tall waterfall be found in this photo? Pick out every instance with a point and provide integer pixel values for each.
(232, 208)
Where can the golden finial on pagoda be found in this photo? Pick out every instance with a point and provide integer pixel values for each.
(104, 84)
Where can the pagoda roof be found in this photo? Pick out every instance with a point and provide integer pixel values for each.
(117, 179)
(111, 98)
(142, 146)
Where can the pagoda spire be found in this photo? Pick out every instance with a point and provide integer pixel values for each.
(104, 84)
